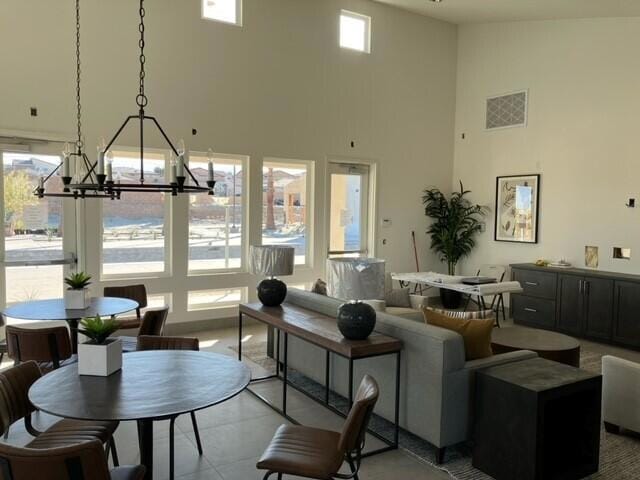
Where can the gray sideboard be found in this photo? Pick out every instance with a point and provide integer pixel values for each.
(602, 306)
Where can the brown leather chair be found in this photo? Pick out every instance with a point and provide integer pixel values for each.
(82, 461)
(49, 346)
(315, 453)
(152, 324)
(15, 383)
(146, 342)
(137, 293)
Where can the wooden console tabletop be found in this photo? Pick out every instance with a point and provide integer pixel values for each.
(320, 330)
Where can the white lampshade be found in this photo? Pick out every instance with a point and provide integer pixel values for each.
(355, 278)
(271, 260)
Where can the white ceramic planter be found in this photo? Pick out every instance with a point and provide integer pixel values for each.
(76, 299)
(100, 360)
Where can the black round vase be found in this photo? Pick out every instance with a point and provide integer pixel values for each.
(356, 320)
(272, 292)
(450, 298)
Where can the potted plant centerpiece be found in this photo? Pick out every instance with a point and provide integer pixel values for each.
(456, 221)
(76, 296)
(100, 356)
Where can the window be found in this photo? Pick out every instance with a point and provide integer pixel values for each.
(216, 222)
(135, 228)
(286, 194)
(227, 11)
(212, 299)
(355, 31)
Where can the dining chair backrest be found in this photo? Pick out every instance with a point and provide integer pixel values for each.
(81, 461)
(51, 344)
(15, 383)
(153, 321)
(147, 342)
(137, 293)
(355, 427)
(493, 271)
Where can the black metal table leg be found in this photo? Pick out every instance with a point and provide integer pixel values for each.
(350, 382)
(145, 439)
(327, 376)
(277, 332)
(284, 372)
(73, 332)
(396, 432)
(240, 337)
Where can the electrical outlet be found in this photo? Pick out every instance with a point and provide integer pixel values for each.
(33, 111)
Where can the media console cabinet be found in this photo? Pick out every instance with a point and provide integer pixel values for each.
(602, 306)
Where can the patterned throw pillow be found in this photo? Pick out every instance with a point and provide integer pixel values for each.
(398, 298)
(474, 315)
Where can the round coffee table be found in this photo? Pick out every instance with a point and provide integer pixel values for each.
(550, 345)
(152, 385)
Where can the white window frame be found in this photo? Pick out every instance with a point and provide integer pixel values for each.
(168, 227)
(239, 11)
(244, 162)
(310, 197)
(367, 33)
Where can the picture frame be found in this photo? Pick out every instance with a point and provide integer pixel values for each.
(517, 208)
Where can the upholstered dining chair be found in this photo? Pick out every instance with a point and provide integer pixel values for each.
(15, 383)
(152, 324)
(137, 293)
(49, 346)
(84, 460)
(315, 453)
(147, 342)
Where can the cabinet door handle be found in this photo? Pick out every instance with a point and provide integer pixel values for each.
(531, 284)
(580, 287)
(587, 286)
(532, 310)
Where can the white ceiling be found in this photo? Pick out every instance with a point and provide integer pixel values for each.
(483, 11)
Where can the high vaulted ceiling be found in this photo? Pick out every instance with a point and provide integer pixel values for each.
(482, 11)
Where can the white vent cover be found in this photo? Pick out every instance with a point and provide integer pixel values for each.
(505, 111)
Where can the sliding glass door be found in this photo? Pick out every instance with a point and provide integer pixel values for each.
(37, 239)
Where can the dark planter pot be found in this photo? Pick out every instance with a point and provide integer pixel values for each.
(272, 292)
(356, 320)
(450, 298)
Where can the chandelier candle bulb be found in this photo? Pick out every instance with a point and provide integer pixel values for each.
(66, 169)
(211, 170)
(109, 172)
(180, 165)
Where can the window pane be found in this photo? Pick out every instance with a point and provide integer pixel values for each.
(354, 31)
(21, 286)
(222, 10)
(212, 299)
(346, 206)
(133, 239)
(215, 222)
(284, 212)
(32, 226)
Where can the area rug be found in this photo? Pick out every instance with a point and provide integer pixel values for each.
(619, 454)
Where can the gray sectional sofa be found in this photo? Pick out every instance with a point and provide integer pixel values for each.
(436, 380)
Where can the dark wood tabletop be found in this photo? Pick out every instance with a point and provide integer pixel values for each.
(532, 339)
(54, 309)
(151, 385)
(320, 330)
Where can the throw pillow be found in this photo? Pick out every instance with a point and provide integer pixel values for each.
(475, 333)
(477, 314)
(398, 298)
(319, 287)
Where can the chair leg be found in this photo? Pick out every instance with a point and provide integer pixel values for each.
(268, 474)
(196, 432)
(352, 466)
(440, 455)
(171, 448)
(114, 452)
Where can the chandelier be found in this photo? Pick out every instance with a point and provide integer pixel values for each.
(97, 180)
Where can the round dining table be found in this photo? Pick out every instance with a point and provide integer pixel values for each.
(40, 310)
(151, 386)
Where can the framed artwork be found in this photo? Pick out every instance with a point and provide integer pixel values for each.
(517, 202)
(591, 256)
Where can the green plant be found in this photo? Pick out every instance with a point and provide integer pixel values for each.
(96, 329)
(456, 222)
(78, 281)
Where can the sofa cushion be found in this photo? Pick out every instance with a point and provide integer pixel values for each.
(476, 333)
(408, 313)
(398, 297)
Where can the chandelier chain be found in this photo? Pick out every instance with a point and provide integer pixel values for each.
(142, 99)
(79, 142)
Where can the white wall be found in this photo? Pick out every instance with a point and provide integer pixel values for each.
(277, 87)
(583, 78)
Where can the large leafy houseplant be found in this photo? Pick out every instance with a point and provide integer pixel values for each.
(456, 221)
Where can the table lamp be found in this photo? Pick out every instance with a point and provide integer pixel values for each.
(272, 261)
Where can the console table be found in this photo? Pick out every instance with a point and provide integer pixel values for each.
(586, 303)
(321, 331)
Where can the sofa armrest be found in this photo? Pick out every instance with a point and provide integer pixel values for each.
(418, 301)
(500, 359)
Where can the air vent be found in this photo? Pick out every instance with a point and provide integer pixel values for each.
(506, 111)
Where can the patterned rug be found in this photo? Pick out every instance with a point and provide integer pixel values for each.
(619, 459)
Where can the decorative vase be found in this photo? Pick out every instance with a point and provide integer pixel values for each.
(356, 320)
(450, 298)
(76, 299)
(100, 360)
(272, 292)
